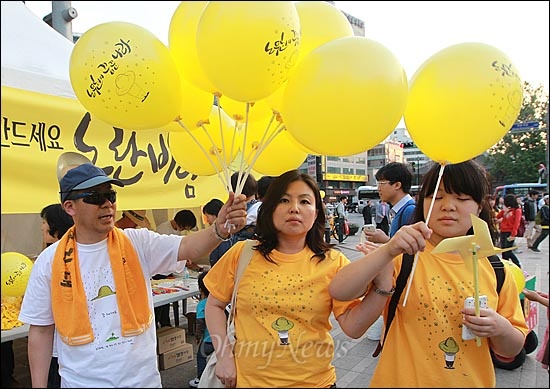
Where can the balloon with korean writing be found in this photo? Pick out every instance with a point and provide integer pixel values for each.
(462, 101)
(125, 76)
(16, 270)
(246, 48)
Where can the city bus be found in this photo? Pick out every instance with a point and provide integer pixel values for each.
(519, 190)
(365, 193)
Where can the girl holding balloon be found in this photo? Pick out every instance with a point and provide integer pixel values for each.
(427, 332)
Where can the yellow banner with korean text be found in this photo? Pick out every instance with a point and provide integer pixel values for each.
(38, 128)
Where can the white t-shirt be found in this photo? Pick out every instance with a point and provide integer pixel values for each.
(111, 360)
(252, 213)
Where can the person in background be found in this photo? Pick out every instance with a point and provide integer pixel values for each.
(211, 210)
(252, 212)
(202, 336)
(367, 213)
(250, 190)
(283, 303)
(183, 222)
(541, 298)
(55, 223)
(544, 228)
(500, 202)
(542, 175)
(92, 287)
(328, 216)
(530, 209)
(382, 216)
(541, 201)
(133, 219)
(491, 200)
(340, 215)
(511, 217)
(8, 365)
(427, 331)
(394, 184)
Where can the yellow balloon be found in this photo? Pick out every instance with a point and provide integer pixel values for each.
(196, 105)
(462, 100)
(246, 48)
(322, 193)
(16, 270)
(182, 37)
(517, 273)
(320, 22)
(204, 152)
(125, 76)
(351, 85)
(278, 156)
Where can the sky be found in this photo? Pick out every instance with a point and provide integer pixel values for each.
(412, 30)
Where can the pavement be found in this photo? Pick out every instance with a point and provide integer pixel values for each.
(354, 362)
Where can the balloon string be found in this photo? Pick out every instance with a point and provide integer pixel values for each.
(241, 177)
(225, 169)
(476, 287)
(204, 151)
(415, 261)
(261, 145)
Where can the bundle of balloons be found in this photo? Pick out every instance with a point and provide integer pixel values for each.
(260, 85)
(16, 270)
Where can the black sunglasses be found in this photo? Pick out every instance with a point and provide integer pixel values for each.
(95, 198)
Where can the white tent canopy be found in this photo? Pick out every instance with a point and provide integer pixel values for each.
(35, 57)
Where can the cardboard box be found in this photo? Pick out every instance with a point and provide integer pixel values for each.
(169, 338)
(176, 357)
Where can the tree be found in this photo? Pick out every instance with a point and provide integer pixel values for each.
(515, 158)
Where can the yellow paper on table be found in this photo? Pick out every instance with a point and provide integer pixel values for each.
(10, 312)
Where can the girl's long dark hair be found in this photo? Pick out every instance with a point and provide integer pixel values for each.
(266, 232)
(468, 178)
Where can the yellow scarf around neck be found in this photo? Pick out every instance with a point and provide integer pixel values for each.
(69, 305)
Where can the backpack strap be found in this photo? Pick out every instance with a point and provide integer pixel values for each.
(498, 267)
(400, 283)
(406, 268)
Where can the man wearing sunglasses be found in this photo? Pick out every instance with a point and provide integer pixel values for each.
(92, 287)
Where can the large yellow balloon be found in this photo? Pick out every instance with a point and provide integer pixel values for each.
(16, 270)
(196, 105)
(205, 153)
(320, 22)
(246, 48)
(182, 37)
(517, 273)
(353, 86)
(125, 76)
(462, 101)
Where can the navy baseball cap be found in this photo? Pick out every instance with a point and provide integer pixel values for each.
(83, 177)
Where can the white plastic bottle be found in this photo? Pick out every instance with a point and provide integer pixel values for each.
(186, 277)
